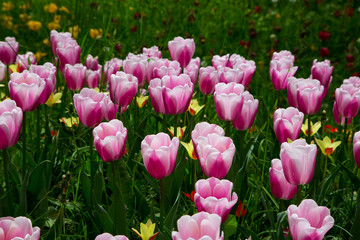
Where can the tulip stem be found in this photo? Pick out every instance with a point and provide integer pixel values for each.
(325, 169)
(24, 144)
(162, 204)
(227, 129)
(164, 123)
(6, 172)
(309, 129)
(175, 125)
(345, 129)
(299, 194)
(92, 167)
(38, 134)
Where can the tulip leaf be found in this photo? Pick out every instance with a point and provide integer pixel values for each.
(353, 178)
(171, 216)
(248, 232)
(281, 217)
(355, 230)
(327, 183)
(103, 217)
(86, 186)
(230, 226)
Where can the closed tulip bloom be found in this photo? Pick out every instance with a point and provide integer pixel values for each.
(280, 71)
(2, 71)
(292, 91)
(202, 226)
(75, 76)
(90, 106)
(220, 61)
(110, 109)
(92, 63)
(182, 50)
(355, 81)
(159, 68)
(228, 75)
(123, 88)
(137, 67)
(69, 54)
(214, 196)
(287, 123)
(347, 99)
(108, 236)
(280, 187)
(322, 71)
(159, 154)
(25, 89)
(93, 77)
(111, 67)
(23, 61)
(8, 50)
(309, 221)
(228, 100)
(19, 228)
(152, 52)
(298, 161)
(215, 154)
(192, 69)
(245, 119)
(171, 94)
(11, 118)
(48, 73)
(57, 37)
(247, 68)
(283, 55)
(110, 140)
(208, 78)
(337, 116)
(202, 130)
(356, 148)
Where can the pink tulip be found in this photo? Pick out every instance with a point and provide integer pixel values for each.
(11, 118)
(25, 89)
(347, 99)
(108, 236)
(247, 68)
(236, 59)
(159, 154)
(228, 100)
(338, 118)
(75, 76)
(93, 77)
(8, 50)
(208, 78)
(110, 140)
(68, 54)
(182, 50)
(287, 123)
(280, 187)
(111, 109)
(158, 68)
(355, 81)
(215, 154)
(23, 61)
(19, 228)
(356, 148)
(220, 61)
(228, 75)
(309, 95)
(56, 37)
(298, 161)
(202, 226)
(309, 221)
(90, 106)
(202, 130)
(245, 119)
(192, 69)
(2, 71)
(283, 55)
(92, 63)
(171, 94)
(111, 67)
(123, 88)
(292, 91)
(137, 67)
(152, 52)
(214, 196)
(48, 73)
(322, 71)
(280, 71)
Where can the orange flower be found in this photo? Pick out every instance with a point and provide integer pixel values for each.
(190, 196)
(53, 26)
(74, 31)
(96, 33)
(51, 8)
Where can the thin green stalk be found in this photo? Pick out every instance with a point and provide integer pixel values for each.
(205, 103)
(118, 112)
(162, 204)
(6, 172)
(92, 166)
(345, 134)
(164, 123)
(38, 134)
(227, 133)
(116, 220)
(299, 194)
(24, 144)
(175, 125)
(309, 129)
(7, 79)
(325, 168)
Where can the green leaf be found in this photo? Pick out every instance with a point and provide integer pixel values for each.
(355, 229)
(230, 226)
(171, 216)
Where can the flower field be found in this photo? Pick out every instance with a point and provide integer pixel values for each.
(180, 120)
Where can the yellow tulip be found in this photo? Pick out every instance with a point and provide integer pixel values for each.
(190, 149)
(69, 122)
(327, 145)
(313, 127)
(194, 107)
(146, 231)
(179, 132)
(141, 100)
(54, 99)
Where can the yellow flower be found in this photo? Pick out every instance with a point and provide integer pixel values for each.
(277, 15)
(7, 6)
(24, 17)
(53, 26)
(96, 33)
(51, 8)
(74, 31)
(190, 149)
(194, 107)
(57, 18)
(54, 99)
(179, 133)
(14, 68)
(46, 42)
(34, 25)
(69, 122)
(327, 145)
(25, 6)
(141, 100)
(313, 127)
(39, 55)
(64, 9)
(146, 230)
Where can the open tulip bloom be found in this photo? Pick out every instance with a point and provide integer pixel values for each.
(347, 99)
(48, 73)
(108, 236)
(287, 123)
(309, 221)
(182, 50)
(284, 54)
(19, 228)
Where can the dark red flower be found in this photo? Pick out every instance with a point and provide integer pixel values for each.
(257, 9)
(323, 35)
(324, 52)
(350, 57)
(242, 43)
(190, 196)
(240, 210)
